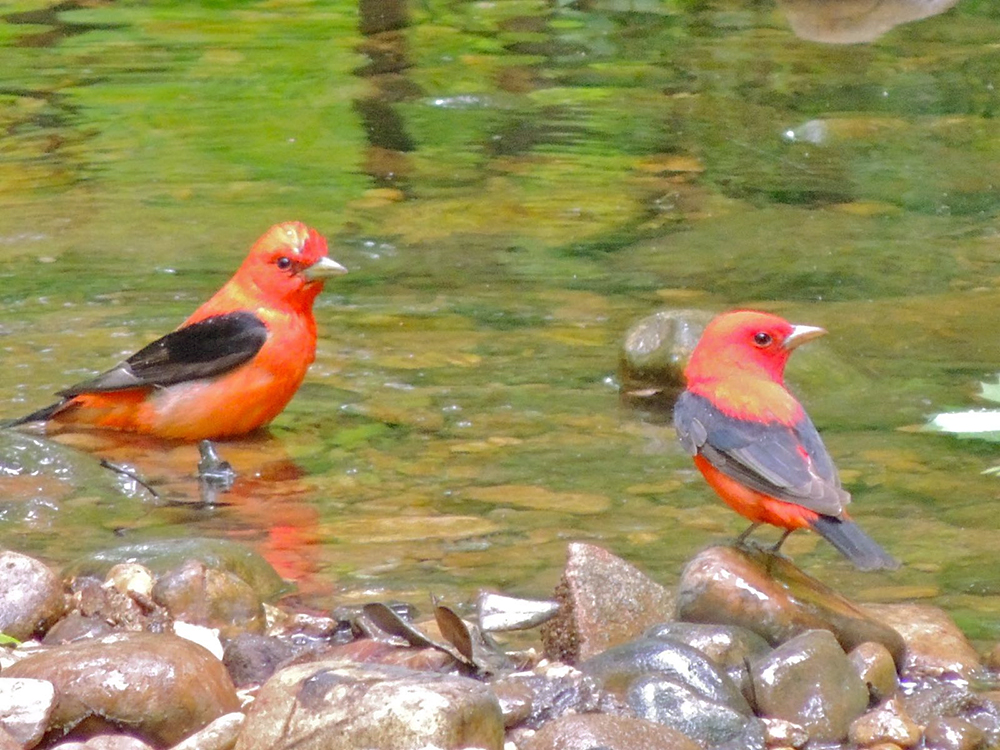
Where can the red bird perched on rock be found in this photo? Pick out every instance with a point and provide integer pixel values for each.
(753, 441)
(232, 366)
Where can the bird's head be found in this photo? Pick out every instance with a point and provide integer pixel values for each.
(289, 263)
(746, 342)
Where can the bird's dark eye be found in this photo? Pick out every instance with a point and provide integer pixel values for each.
(283, 262)
(762, 338)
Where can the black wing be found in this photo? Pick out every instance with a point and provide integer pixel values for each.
(212, 346)
(765, 457)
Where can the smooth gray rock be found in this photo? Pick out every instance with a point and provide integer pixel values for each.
(709, 723)
(809, 681)
(617, 668)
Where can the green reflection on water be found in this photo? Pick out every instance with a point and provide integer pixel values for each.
(511, 185)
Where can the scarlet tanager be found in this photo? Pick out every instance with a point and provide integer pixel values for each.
(232, 366)
(753, 441)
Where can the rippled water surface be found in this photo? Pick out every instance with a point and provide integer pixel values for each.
(512, 184)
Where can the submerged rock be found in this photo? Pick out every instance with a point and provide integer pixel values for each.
(590, 731)
(769, 595)
(196, 593)
(934, 644)
(653, 354)
(163, 555)
(31, 597)
(604, 601)
(159, 687)
(810, 682)
(333, 705)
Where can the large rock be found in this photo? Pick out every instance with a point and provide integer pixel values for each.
(810, 682)
(769, 595)
(886, 723)
(604, 601)
(589, 731)
(709, 722)
(729, 646)
(934, 644)
(335, 705)
(163, 555)
(160, 688)
(617, 668)
(31, 597)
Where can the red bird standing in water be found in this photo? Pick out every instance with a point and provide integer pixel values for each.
(232, 366)
(753, 441)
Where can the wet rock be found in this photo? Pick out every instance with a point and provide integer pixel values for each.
(516, 700)
(330, 705)
(933, 698)
(221, 734)
(76, 626)
(553, 690)
(251, 658)
(781, 733)
(25, 708)
(952, 733)
(654, 352)
(708, 722)
(809, 681)
(195, 593)
(604, 601)
(163, 555)
(31, 598)
(769, 595)
(729, 646)
(886, 723)
(874, 665)
(617, 668)
(934, 644)
(591, 731)
(160, 688)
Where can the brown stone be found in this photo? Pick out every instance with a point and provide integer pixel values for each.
(604, 601)
(886, 723)
(769, 595)
(875, 667)
(215, 598)
(586, 731)
(934, 644)
(160, 687)
(952, 733)
(31, 598)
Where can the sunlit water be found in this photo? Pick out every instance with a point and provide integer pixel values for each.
(511, 184)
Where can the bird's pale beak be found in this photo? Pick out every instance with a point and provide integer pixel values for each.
(802, 334)
(323, 268)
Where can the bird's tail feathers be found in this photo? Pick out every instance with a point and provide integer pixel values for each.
(42, 415)
(854, 544)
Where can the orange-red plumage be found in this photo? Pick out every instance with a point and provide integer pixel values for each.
(232, 366)
(752, 440)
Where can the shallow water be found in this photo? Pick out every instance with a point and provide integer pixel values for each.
(511, 184)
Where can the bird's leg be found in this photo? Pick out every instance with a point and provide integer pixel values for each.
(741, 539)
(776, 547)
